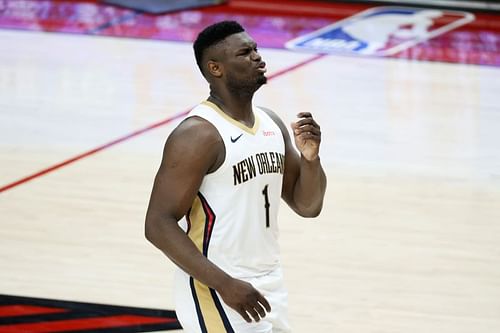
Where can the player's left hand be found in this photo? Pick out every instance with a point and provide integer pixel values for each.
(307, 135)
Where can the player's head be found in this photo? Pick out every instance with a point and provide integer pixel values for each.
(225, 51)
(212, 35)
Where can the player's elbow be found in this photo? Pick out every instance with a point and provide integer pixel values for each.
(312, 213)
(309, 211)
(148, 232)
(150, 229)
(159, 228)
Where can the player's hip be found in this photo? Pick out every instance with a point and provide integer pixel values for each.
(200, 309)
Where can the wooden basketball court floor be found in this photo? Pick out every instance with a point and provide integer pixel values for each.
(409, 238)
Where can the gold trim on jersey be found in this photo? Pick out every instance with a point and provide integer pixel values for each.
(211, 315)
(251, 130)
(197, 220)
(201, 219)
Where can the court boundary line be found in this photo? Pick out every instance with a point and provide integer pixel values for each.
(135, 133)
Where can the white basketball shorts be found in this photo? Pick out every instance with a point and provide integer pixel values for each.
(201, 309)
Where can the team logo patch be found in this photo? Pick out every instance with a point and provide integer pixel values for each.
(381, 31)
(36, 315)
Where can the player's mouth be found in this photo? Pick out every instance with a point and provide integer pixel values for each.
(262, 67)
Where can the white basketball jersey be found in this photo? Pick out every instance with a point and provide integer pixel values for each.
(233, 219)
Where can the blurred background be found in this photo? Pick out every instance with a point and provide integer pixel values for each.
(407, 96)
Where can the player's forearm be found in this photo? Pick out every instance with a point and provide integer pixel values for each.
(310, 188)
(173, 241)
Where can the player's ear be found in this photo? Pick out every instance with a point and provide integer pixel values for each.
(214, 68)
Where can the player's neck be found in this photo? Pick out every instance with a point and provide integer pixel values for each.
(239, 109)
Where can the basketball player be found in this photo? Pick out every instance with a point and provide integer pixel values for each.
(215, 198)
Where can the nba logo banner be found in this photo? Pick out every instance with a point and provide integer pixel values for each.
(381, 31)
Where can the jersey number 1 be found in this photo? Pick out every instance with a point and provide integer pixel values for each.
(266, 204)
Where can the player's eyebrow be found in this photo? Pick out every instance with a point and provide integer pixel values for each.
(246, 45)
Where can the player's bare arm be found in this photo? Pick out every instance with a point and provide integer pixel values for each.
(192, 150)
(304, 181)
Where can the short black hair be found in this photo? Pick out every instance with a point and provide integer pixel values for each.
(213, 34)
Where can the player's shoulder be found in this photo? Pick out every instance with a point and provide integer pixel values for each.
(274, 116)
(194, 142)
(267, 110)
(195, 129)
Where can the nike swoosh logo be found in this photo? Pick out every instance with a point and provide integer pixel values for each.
(236, 139)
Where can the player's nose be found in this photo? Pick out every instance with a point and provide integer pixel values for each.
(256, 56)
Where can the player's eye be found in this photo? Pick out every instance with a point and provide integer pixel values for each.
(245, 51)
